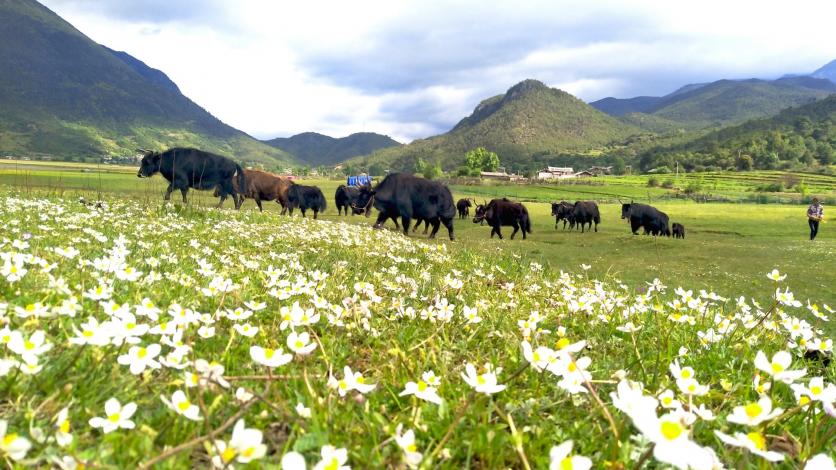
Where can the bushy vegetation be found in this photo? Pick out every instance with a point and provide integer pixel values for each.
(800, 137)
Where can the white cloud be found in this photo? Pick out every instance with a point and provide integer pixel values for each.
(414, 68)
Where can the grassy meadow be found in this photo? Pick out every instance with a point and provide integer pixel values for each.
(136, 334)
(727, 244)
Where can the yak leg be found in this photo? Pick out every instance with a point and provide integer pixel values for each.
(436, 225)
(183, 191)
(405, 221)
(315, 212)
(168, 192)
(417, 223)
(516, 229)
(634, 226)
(258, 203)
(499, 231)
(381, 219)
(303, 209)
(449, 224)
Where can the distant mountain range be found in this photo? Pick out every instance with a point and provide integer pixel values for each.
(828, 71)
(317, 149)
(62, 94)
(530, 117)
(717, 104)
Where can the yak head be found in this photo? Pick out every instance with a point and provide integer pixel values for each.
(625, 210)
(482, 213)
(364, 201)
(150, 164)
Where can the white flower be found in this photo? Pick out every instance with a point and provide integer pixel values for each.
(37, 310)
(182, 406)
(29, 349)
(560, 459)
(303, 411)
(629, 327)
(116, 416)
(139, 357)
(755, 442)
(483, 383)
(667, 400)
(293, 461)
(471, 315)
(406, 442)
(421, 390)
(11, 444)
(242, 395)
(778, 366)
(269, 357)
(244, 446)
(100, 292)
(245, 330)
(691, 387)
(333, 459)
(776, 276)
(820, 462)
(754, 413)
(681, 372)
(300, 343)
(786, 298)
(629, 398)
(350, 381)
(62, 431)
(672, 443)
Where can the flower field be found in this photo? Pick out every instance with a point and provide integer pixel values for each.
(140, 336)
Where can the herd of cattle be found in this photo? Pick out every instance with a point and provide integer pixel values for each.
(398, 196)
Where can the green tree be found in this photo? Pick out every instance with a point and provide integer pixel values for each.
(377, 169)
(480, 159)
(744, 162)
(431, 171)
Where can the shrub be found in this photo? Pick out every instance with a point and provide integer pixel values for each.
(667, 184)
(653, 181)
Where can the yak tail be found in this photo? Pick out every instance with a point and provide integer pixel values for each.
(242, 180)
(597, 219)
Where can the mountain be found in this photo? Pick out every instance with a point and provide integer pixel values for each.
(529, 118)
(827, 72)
(797, 136)
(61, 94)
(317, 149)
(720, 103)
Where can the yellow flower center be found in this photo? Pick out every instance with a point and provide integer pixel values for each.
(228, 454)
(29, 345)
(141, 353)
(566, 464)
(692, 388)
(758, 440)
(572, 367)
(8, 439)
(815, 389)
(130, 326)
(114, 418)
(803, 400)
(268, 353)
(299, 344)
(64, 427)
(5, 338)
(686, 374)
(562, 343)
(334, 464)
(777, 368)
(481, 380)
(30, 308)
(361, 380)
(422, 385)
(412, 448)
(671, 430)
(536, 356)
(753, 410)
(667, 400)
(248, 452)
(184, 405)
(343, 385)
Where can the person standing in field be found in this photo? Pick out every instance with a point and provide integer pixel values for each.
(814, 215)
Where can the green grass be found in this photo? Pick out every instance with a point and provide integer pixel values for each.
(391, 336)
(728, 247)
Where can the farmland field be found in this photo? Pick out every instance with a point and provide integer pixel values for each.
(138, 334)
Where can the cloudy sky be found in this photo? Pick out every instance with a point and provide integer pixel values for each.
(412, 69)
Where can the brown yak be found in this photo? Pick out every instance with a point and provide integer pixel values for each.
(264, 186)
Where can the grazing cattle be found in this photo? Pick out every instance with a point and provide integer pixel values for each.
(678, 230)
(264, 186)
(463, 207)
(305, 197)
(586, 212)
(409, 197)
(563, 211)
(345, 197)
(652, 220)
(186, 168)
(501, 212)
